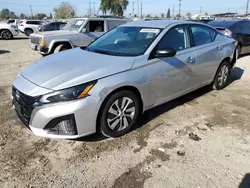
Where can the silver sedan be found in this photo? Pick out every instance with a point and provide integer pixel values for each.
(108, 85)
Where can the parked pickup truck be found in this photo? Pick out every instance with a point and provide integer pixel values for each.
(77, 32)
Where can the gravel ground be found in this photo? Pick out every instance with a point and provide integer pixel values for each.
(199, 140)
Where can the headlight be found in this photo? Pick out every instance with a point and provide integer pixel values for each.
(69, 94)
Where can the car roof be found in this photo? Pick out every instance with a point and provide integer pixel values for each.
(225, 23)
(155, 23)
(97, 18)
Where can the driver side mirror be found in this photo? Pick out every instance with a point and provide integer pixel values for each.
(165, 52)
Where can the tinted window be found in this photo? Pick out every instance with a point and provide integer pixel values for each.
(245, 27)
(112, 24)
(177, 38)
(11, 21)
(202, 35)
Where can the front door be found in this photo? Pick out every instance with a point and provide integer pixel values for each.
(170, 77)
(94, 29)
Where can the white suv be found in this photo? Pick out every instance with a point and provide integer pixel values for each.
(29, 26)
(7, 31)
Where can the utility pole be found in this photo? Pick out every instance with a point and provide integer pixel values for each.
(31, 11)
(133, 9)
(247, 7)
(94, 8)
(200, 10)
(138, 8)
(173, 11)
(141, 10)
(179, 9)
(90, 9)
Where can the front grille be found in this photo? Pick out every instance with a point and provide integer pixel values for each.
(35, 40)
(23, 104)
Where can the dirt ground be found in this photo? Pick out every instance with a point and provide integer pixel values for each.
(197, 141)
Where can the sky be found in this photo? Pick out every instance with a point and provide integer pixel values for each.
(152, 7)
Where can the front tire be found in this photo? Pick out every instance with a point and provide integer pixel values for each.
(6, 35)
(221, 76)
(28, 32)
(119, 114)
(61, 47)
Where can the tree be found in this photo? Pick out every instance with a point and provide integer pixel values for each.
(156, 17)
(162, 15)
(5, 13)
(12, 15)
(50, 16)
(115, 7)
(178, 16)
(64, 11)
(206, 14)
(168, 14)
(40, 16)
(188, 14)
(22, 16)
(148, 16)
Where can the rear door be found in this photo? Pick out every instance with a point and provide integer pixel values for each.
(94, 29)
(173, 76)
(208, 52)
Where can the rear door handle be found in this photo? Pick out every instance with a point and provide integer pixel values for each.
(191, 59)
(219, 47)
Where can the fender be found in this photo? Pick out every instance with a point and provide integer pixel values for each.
(53, 42)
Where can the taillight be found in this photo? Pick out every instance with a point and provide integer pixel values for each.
(20, 24)
(228, 33)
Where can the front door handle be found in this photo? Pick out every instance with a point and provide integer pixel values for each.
(219, 47)
(191, 59)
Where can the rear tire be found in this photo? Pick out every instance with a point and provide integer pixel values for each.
(221, 76)
(6, 35)
(119, 114)
(61, 47)
(28, 32)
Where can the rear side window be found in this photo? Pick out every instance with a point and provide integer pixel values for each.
(95, 26)
(203, 35)
(113, 23)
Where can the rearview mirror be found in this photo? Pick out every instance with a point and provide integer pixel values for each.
(165, 52)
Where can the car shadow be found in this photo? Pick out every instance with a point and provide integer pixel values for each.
(245, 183)
(235, 75)
(4, 51)
(159, 110)
(19, 38)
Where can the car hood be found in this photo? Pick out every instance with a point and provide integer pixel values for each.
(54, 33)
(5, 25)
(74, 67)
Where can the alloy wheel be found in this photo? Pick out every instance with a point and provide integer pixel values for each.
(223, 75)
(6, 35)
(121, 114)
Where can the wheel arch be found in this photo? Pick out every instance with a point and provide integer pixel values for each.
(56, 43)
(223, 60)
(28, 28)
(121, 88)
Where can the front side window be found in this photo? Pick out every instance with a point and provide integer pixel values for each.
(74, 25)
(176, 38)
(125, 41)
(202, 35)
(95, 26)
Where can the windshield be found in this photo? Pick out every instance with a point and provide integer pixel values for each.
(125, 41)
(74, 25)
